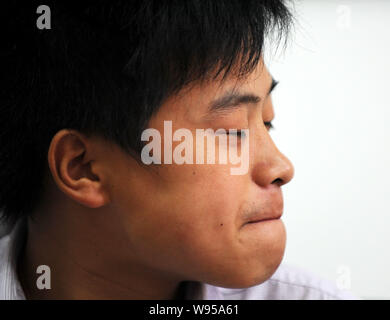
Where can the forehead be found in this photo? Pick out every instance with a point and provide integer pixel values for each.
(193, 101)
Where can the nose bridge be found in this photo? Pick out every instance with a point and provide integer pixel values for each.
(271, 165)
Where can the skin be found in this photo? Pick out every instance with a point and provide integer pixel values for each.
(113, 228)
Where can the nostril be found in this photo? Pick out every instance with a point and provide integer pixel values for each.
(278, 181)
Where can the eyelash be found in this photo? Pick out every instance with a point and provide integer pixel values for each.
(267, 124)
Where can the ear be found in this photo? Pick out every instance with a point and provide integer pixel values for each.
(73, 164)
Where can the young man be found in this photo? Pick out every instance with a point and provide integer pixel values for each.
(94, 217)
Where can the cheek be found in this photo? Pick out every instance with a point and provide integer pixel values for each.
(194, 215)
(208, 207)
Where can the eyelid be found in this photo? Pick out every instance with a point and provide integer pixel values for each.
(273, 86)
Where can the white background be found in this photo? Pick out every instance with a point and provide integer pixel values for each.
(331, 106)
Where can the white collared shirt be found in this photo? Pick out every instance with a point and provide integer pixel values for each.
(287, 283)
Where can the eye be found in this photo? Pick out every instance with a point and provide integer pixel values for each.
(269, 125)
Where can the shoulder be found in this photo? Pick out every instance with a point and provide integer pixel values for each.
(290, 283)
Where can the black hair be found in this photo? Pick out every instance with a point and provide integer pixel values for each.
(105, 67)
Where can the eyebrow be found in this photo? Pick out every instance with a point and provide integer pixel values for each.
(233, 99)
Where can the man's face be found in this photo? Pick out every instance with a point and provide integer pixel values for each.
(190, 221)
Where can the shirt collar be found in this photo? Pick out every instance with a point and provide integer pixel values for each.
(10, 248)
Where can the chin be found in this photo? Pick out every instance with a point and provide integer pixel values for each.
(258, 275)
(261, 264)
(249, 279)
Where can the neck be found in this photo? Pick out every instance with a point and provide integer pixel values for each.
(81, 267)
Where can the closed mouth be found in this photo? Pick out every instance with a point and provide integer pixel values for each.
(262, 220)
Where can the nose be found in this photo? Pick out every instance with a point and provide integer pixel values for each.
(271, 166)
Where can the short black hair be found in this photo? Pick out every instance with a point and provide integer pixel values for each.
(105, 67)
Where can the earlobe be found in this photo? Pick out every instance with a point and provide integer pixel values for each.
(70, 163)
